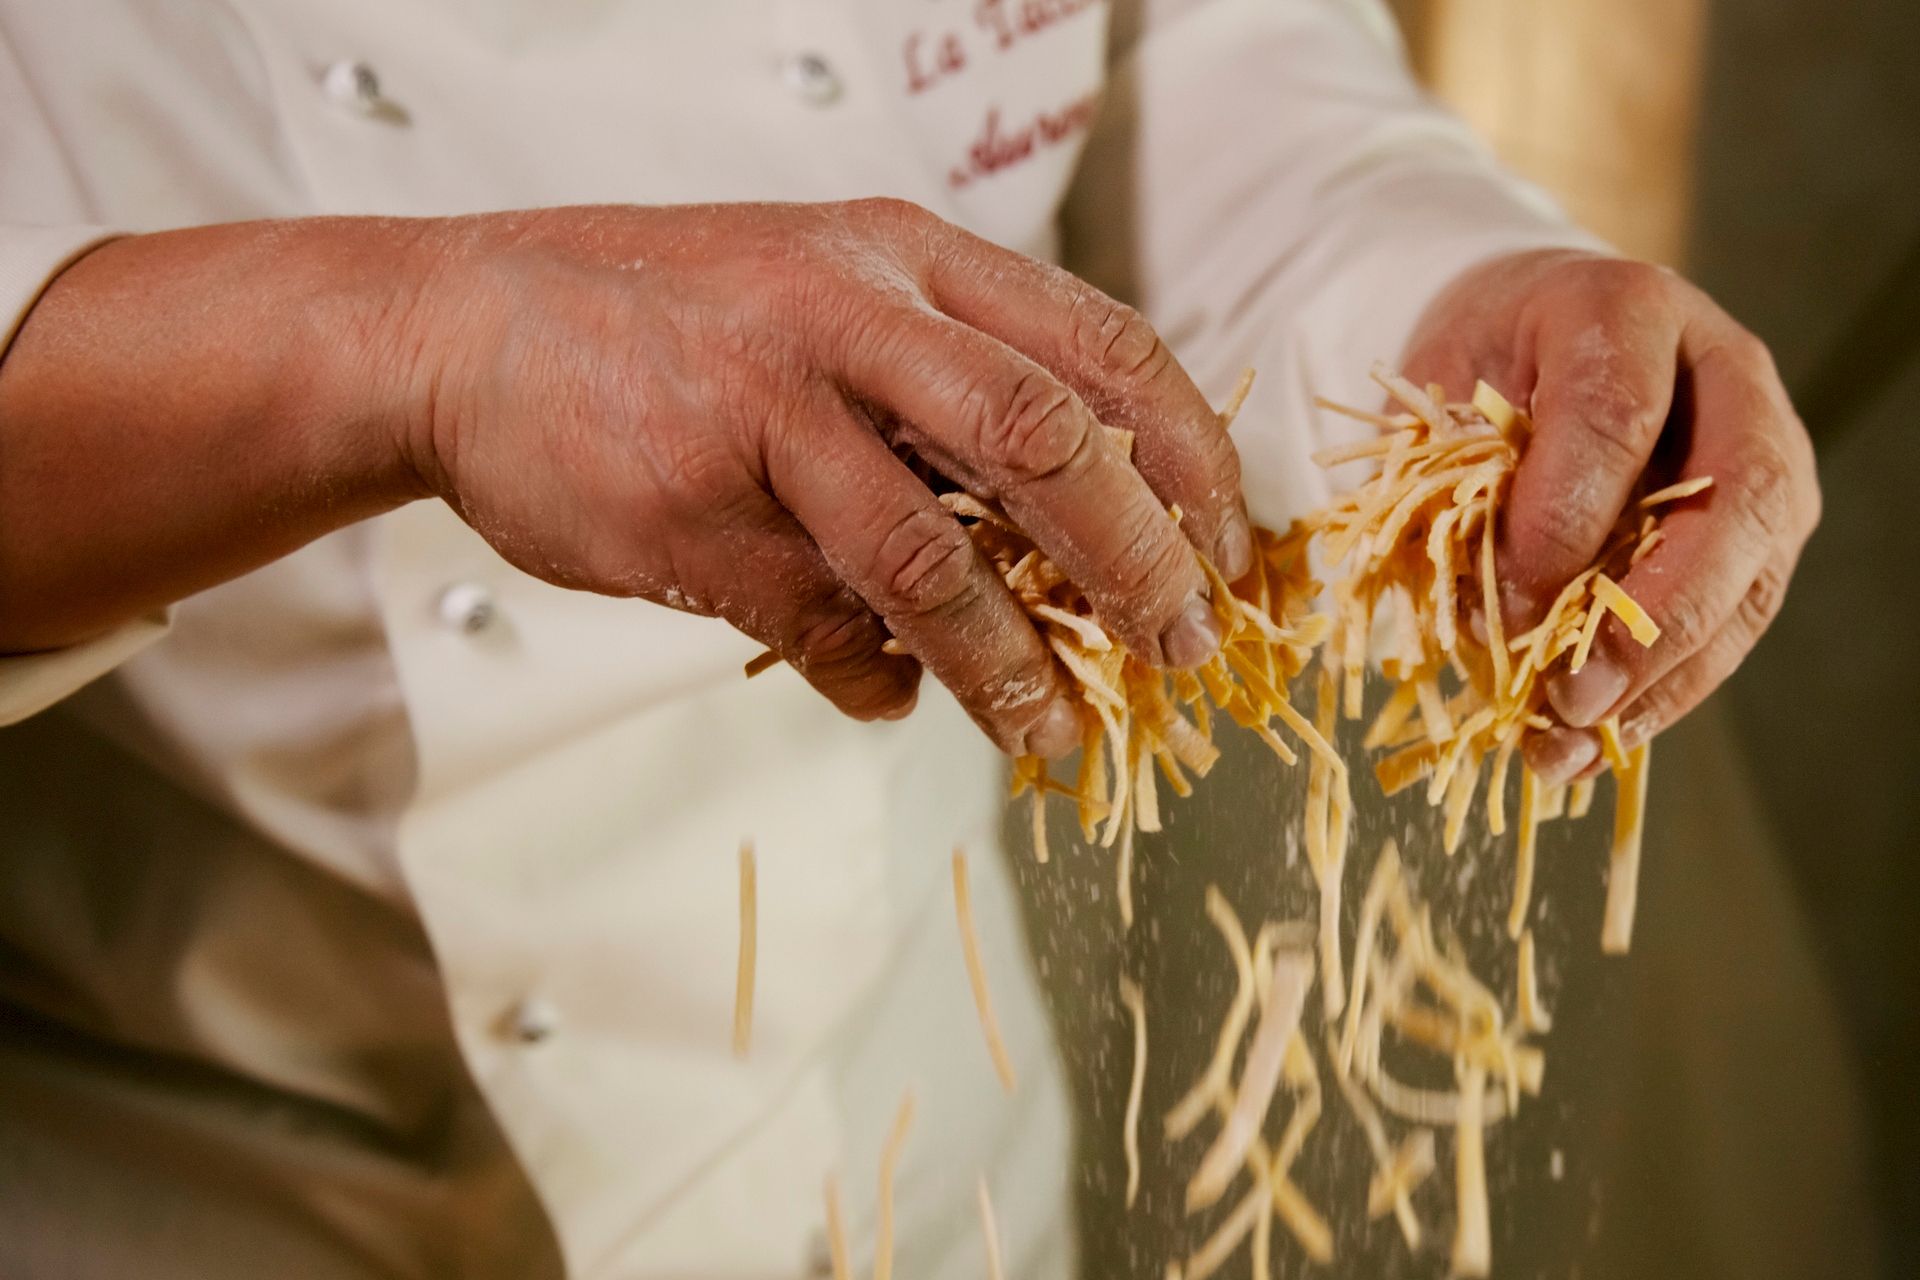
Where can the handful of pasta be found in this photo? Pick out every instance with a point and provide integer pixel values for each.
(1140, 724)
(1411, 555)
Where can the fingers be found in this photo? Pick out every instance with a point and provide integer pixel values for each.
(1109, 356)
(1689, 683)
(1008, 430)
(1727, 551)
(1604, 389)
(1561, 754)
(890, 540)
(781, 591)
(1566, 754)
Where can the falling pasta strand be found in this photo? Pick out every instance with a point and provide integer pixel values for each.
(990, 1231)
(1216, 1079)
(1234, 1228)
(1136, 1003)
(1307, 1224)
(1528, 1010)
(1472, 1239)
(1623, 877)
(837, 1232)
(977, 974)
(889, 1161)
(1278, 1020)
(749, 941)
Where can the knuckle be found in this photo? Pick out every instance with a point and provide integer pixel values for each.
(924, 564)
(1687, 686)
(1738, 358)
(1684, 625)
(1774, 483)
(1222, 458)
(1219, 477)
(1762, 603)
(918, 234)
(1621, 423)
(1149, 570)
(1032, 430)
(843, 637)
(1560, 528)
(1750, 354)
(1761, 485)
(1117, 339)
(1636, 286)
(889, 211)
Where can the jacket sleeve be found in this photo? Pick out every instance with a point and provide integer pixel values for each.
(1267, 183)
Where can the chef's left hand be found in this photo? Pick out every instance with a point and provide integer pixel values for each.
(1627, 368)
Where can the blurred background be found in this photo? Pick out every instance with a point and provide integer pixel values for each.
(1741, 1096)
(1770, 149)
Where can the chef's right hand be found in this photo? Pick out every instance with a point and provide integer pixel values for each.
(706, 407)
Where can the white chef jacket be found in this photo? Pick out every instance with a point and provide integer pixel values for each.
(323, 893)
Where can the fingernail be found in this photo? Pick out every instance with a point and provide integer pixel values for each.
(904, 708)
(1194, 636)
(1582, 697)
(1057, 732)
(1234, 556)
(1558, 754)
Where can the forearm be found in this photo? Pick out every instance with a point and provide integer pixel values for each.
(180, 408)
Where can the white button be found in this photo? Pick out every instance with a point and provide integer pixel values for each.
(353, 86)
(468, 607)
(533, 1020)
(813, 78)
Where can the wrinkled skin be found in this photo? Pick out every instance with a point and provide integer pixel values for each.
(706, 407)
(1628, 369)
(710, 407)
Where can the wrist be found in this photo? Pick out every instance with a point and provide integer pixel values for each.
(363, 358)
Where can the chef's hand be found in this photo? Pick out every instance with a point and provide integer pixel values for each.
(706, 407)
(1627, 368)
